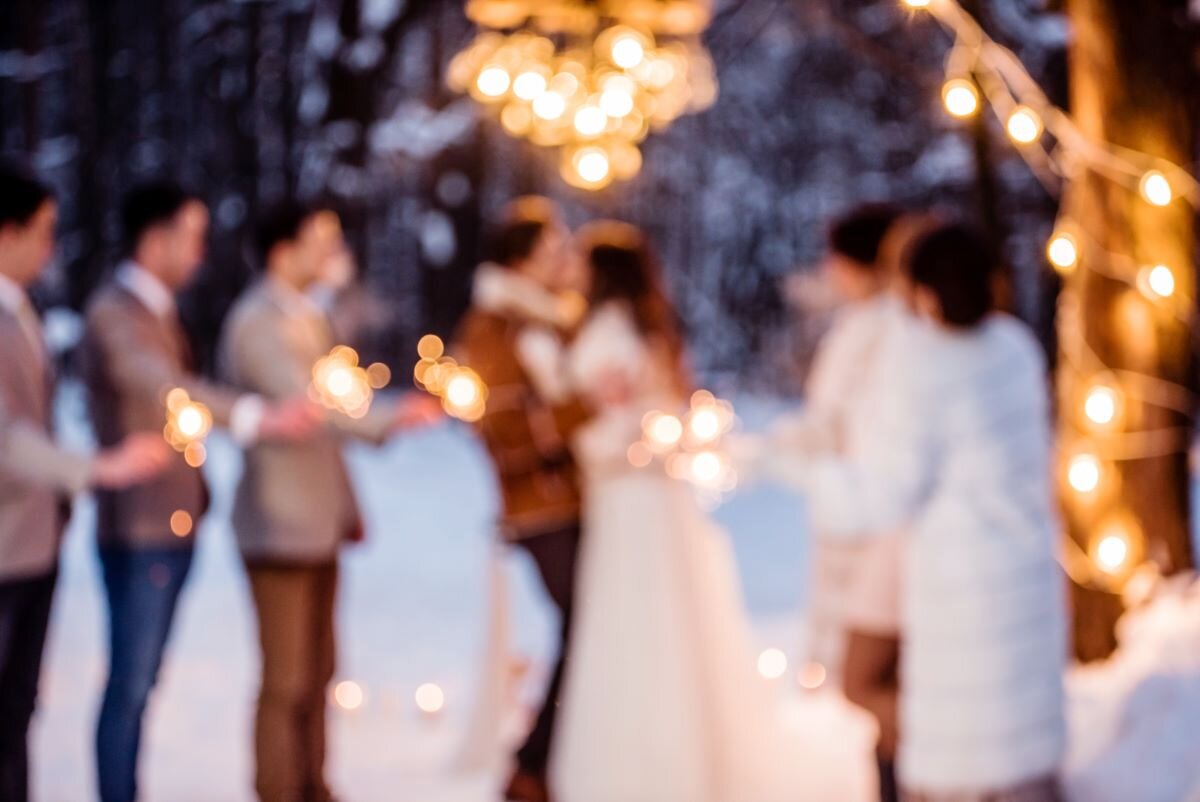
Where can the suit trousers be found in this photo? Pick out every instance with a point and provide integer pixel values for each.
(295, 606)
(555, 555)
(24, 618)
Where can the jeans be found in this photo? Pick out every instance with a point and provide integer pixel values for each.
(24, 618)
(143, 587)
(555, 555)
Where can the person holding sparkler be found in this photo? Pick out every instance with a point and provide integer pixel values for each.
(295, 506)
(136, 359)
(36, 473)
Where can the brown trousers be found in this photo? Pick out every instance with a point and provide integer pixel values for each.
(295, 606)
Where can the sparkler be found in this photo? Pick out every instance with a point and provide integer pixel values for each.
(188, 424)
(463, 393)
(690, 445)
(340, 384)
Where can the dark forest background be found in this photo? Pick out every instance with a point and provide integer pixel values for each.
(824, 103)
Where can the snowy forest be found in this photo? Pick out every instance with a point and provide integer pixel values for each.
(823, 104)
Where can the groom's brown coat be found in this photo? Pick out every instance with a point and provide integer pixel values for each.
(525, 434)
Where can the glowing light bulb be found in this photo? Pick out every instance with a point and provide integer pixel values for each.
(1111, 553)
(1062, 252)
(772, 663)
(628, 52)
(917, 3)
(590, 121)
(349, 695)
(430, 699)
(1157, 282)
(1084, 472)
(181, 523)
(812, 676)
(1100, 406)
(592, 164)
(1156, 189)
(529, 85)
(431, 347)
(617, 97)
(1025, 126)
(493, 81)
(190, 421)
(960, 97)
(550, 106)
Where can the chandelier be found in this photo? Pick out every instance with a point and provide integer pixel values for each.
(591, 78)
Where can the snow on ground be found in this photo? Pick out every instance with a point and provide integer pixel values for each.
(415, 608)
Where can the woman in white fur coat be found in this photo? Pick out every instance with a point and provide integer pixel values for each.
(959, 453)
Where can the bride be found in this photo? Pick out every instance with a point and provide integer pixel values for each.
(662, 702)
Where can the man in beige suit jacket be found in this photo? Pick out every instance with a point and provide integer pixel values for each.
(36, 475)
(135, 352)
(295, 506)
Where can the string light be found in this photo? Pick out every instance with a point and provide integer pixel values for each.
(1156, 189)
(812, 676)
(1084, 473)
(1111, 552)
(917, 3)
(960, 97)
(1025, 126)
(349, 695)
(1063, 252)
(493, 81)
(430, 699)
(1157, 282)
(1102, 406)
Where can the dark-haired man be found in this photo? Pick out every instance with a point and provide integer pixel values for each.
(35, 473)
(295, 506)
(525, 431)
(135, 352)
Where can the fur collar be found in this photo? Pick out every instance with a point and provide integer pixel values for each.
(500, 290)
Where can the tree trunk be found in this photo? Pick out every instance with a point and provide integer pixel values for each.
(1132, 85)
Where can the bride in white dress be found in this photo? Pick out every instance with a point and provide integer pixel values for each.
(662, 701)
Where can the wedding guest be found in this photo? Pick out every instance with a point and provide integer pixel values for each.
(36, 474)
(295, 506)
(525, 432)
(135, 351)
(960, 457)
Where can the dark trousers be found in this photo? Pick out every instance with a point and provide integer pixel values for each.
(871, 679)
(295, 607)
(24, 618)
(143, 587)
(555, 555)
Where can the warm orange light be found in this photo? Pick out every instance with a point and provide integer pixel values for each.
(181, 523)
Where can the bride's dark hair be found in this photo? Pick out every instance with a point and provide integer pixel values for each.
(625, 269)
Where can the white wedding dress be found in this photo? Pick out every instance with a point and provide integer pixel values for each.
(662, 701)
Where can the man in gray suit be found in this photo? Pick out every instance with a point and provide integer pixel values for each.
(295, 506)
(35, 473)
(136, 351)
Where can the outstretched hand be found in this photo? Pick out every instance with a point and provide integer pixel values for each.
(137, 459)
(294, 419)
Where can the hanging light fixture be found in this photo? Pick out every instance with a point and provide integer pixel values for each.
(591, 78)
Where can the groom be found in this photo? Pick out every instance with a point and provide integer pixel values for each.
(525, 433)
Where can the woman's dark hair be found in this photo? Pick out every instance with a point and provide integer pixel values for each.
(626, 269)
(21, 195)
(521, 227)
(859, 233)
(149, 205)
(955, 263)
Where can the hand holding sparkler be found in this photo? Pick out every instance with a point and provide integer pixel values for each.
(138, 458)
(290, 420)
(188, 424)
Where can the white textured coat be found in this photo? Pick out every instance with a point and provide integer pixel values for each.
(959, 450)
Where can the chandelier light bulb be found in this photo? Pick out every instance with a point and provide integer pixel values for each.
(960, 97)
(550, 106)
(493, 81)
(1156, 189)
(529, 85)
(628, 52)
(590, 121)
(1025, 126)
(592, 164)
(1063, 252)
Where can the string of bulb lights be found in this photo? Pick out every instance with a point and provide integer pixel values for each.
(979, 69)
